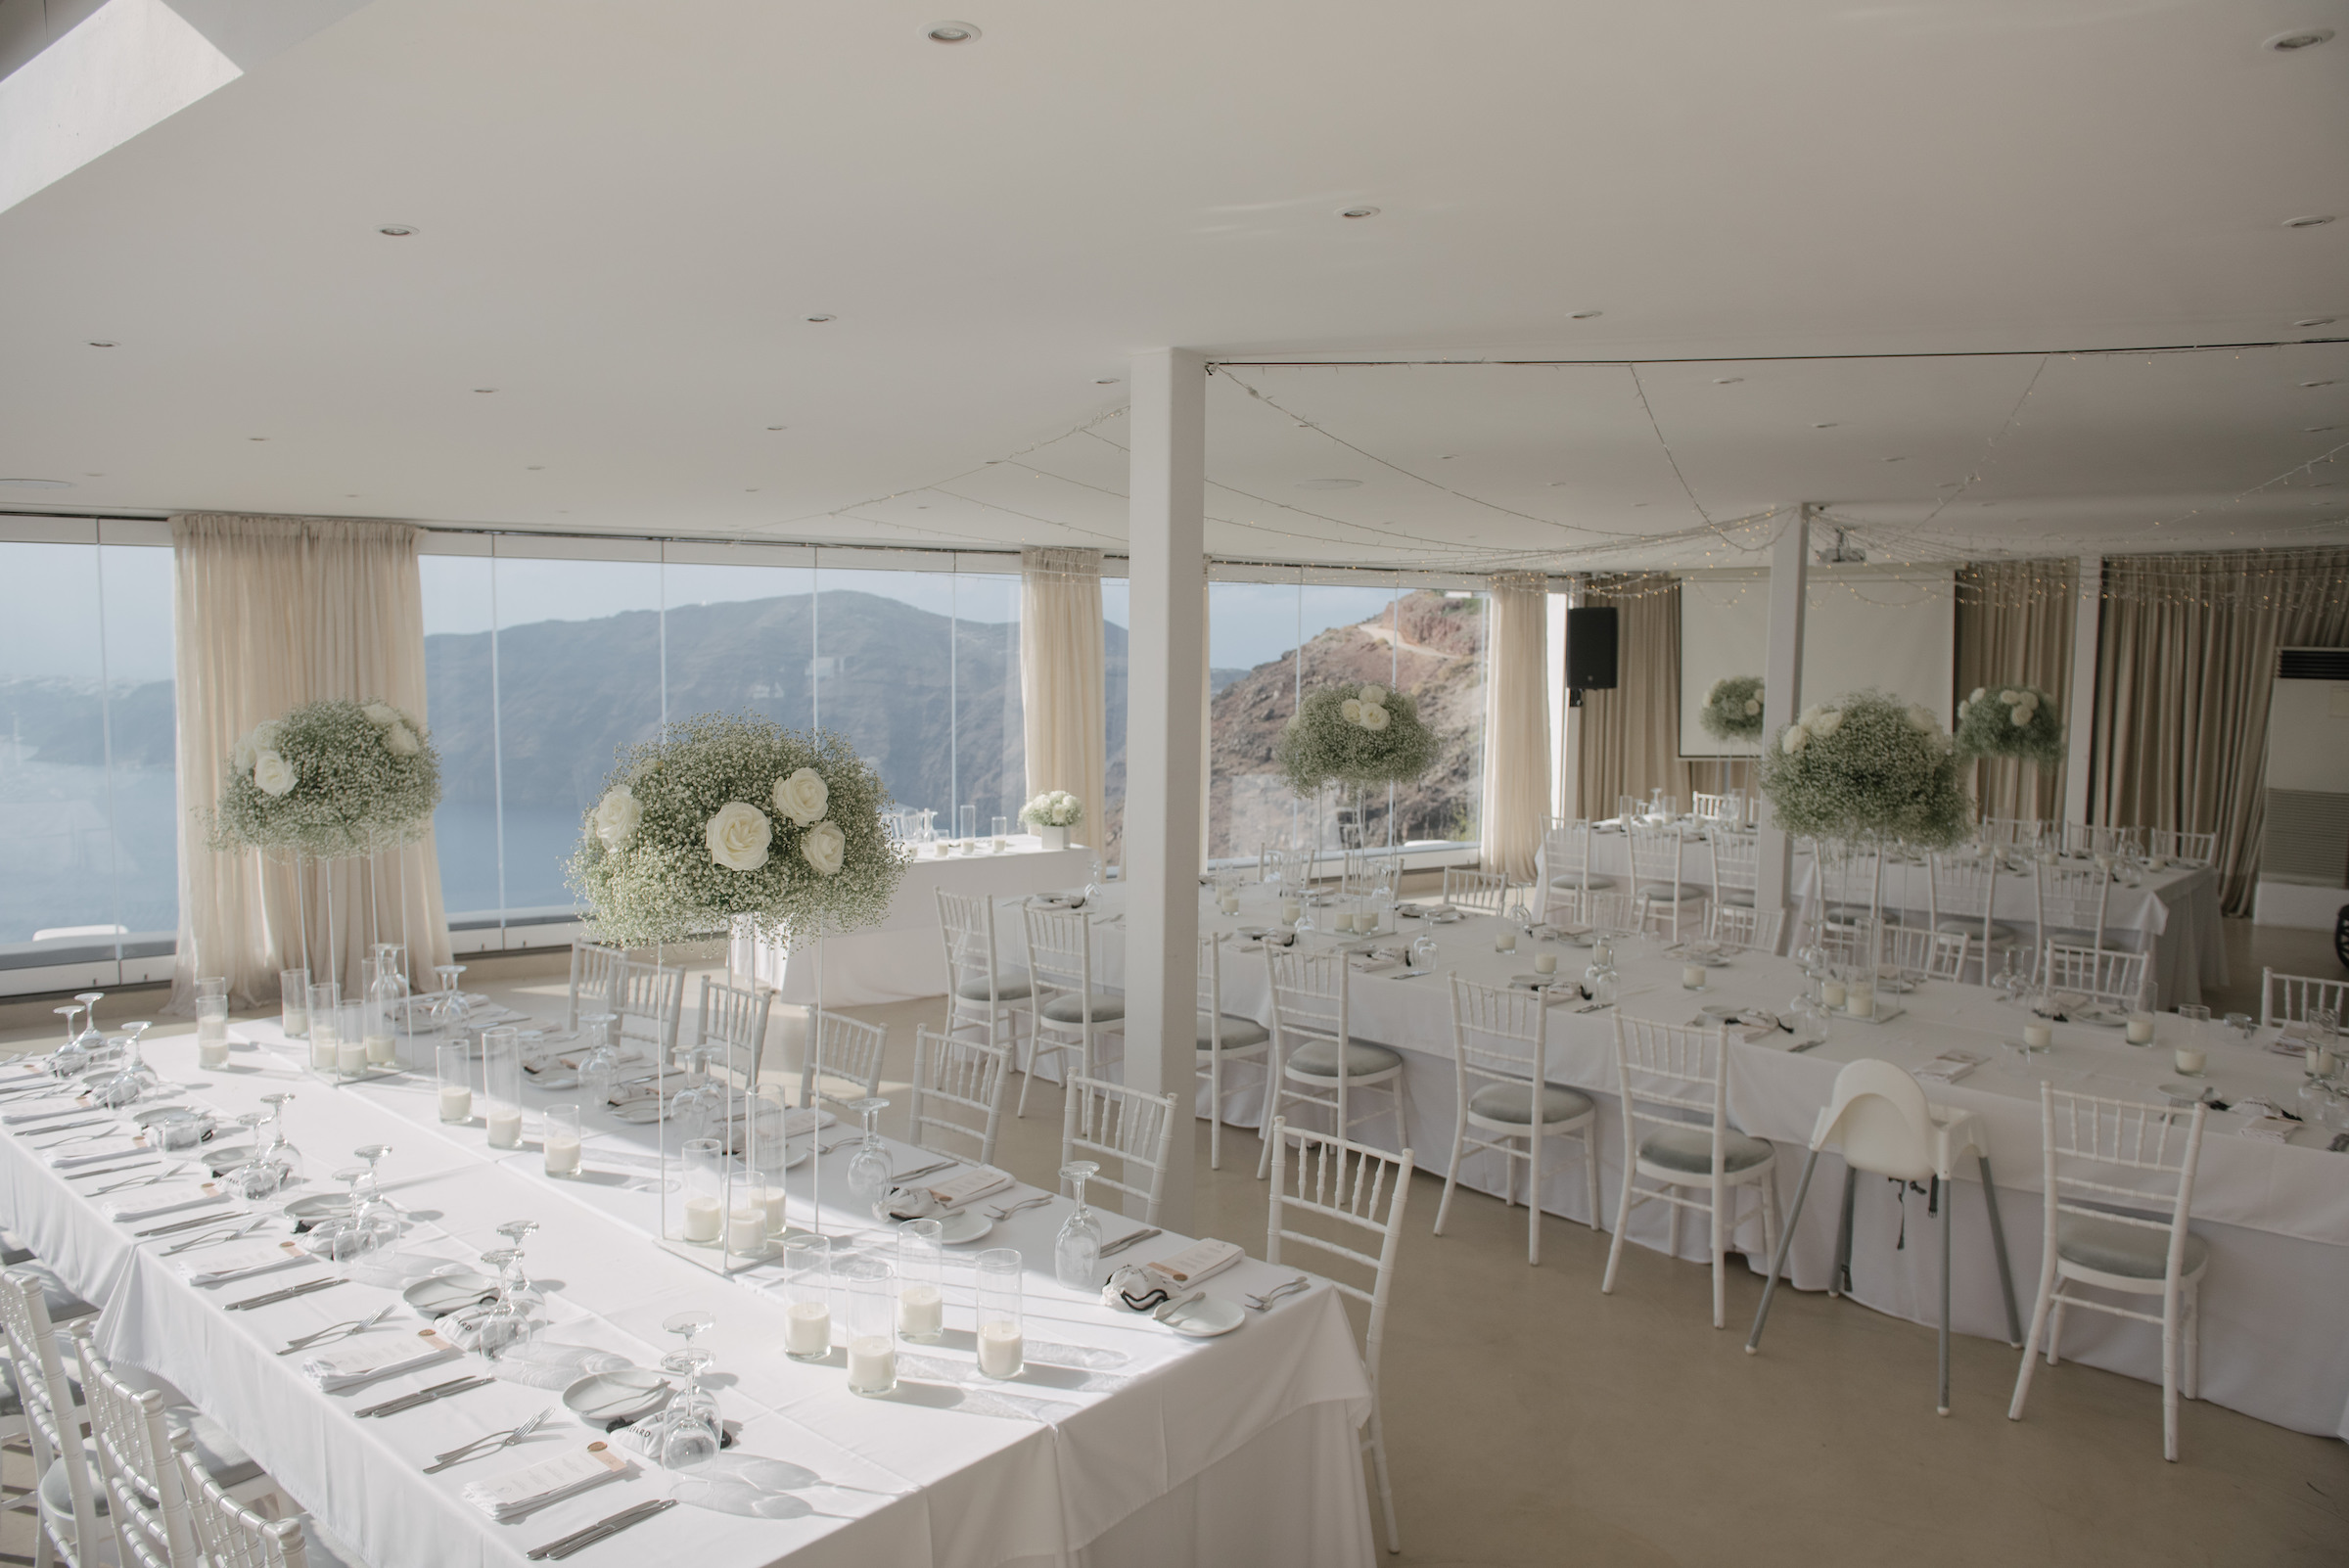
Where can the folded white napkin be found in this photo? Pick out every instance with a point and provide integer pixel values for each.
(1197, 1261)
(237, 1260)
(341, 1367)
(539, 1363)
(533, 1487)
(2269, 1130)
(1369, 963)
(72, 1156)
(964, 1186)
(72, 1107)
(163, 1197)
(1949, 1067)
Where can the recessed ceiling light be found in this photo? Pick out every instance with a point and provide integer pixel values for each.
(822, 318)
(1327, 485)
(2316, 384)
(1448, 457)
(257, 437)
(1726, 381)
(38, 484)
(1556, 483)
(1947, 485)
(396, 231)
(778, 426)
(485, 388)
(2319, 429)
(952, 32)
(1825, 424)
(1357, 212)
(750, 489)
(1585, 315)
(2308, 220)
(537, 468)
(2284, 43)
(103, 343)
(2316, 321)
(1105, 380)
(1896, 460)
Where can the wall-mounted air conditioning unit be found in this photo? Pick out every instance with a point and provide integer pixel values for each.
(2304, 849)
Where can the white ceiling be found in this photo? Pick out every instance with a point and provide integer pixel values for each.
(625, 213)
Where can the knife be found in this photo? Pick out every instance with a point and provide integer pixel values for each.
(188, 1225)
(581, 1539)
(67, 1126)
(288, 1294)
(1124, 1242)
(927, 1169)
(438, 1391)
(110, 1169)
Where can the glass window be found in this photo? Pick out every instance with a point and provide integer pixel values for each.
(1117, 615)
(884, 678)
(990, 744)
(460, 684)
(1439, 641)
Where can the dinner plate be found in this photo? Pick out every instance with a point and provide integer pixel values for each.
(1206, 1319)
(621, 1395)
(319, 1206)
(438, 1295)
(2096, 1018)
(1721, 1009)
(965, 1226)
(1539, 982)
(2187, 1093)
(639, 1111)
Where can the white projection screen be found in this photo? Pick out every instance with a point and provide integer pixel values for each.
(1890, 627)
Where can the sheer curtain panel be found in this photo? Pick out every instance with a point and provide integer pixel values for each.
(1516, 724)
(1630, 736)
(272, 613)
(1063, 693)
(2014, 627)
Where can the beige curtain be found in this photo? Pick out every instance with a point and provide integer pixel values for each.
(2014, 627)
(1063, 697)
(1630, 736)
(2185, 660)
(271, 612)
(1516, 785)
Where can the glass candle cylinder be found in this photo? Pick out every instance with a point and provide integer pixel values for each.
(921, 1298)
(1505, 941)
(967, 818)
(808, 1298)
(293, 1003)
(501, 1087)
(382, 1008)
(455, 1065)
(211, 985)
(1002, 1342)
(2140, 1029)
(350, 1039)
(1692, 976)
(1545, 963)
(323, 998)
(705, 1191)
(211, 1030)
(767, 1154)
(1001, 832)
(561, 1141)
(870, 1286)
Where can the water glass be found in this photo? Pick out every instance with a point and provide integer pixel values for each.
(293, 1003)
(1002, 1343)
(562, 1140)
(1077, 1250)
(456, 1081)
(871, 1285)
(921, 1264)
(808, 1298)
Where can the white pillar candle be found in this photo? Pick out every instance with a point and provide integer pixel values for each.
(1291, 910)
(2039, 1037)
(2188, 1059)
(456, 1103)
(746, 1229)
(1545, 963)
(212, 1052)
(1229, 904)
(2319, 1062)
(1002, 1349)
(806, 1328)
(1830, 992)
(561, 1156)
(296, 1020)
(1860, 999)
(1692, 976)
(382, 1049)
(322, 1051)
(208, 1029)
(351, 1056)
(770, 1203)
(872, 1364)
(703, 1219)
(505, 1128)
(1505, 941)
(921, 1312)
(2140, 1029)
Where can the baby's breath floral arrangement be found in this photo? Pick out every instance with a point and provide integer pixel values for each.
(330, 779)
(1733, 709)
(1053, 809)
(1355, 735)
(1869, 768)
(2011, 721)
(726, 817)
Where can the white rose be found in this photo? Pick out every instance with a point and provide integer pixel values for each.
(1374, 694)
(1351, 708)
(1062, 798)
(242, 755)
(1828, 722)
(1753, 706)
(2010, 697)
(266, 736)
(272, 772)
(1977, 695)
(802, 796)
(825, 846)
(738, 836)
(1810, 716)
(382, 715)
(1795, 739)
(1922, 717)
(2022, 719)
(617, 816)
(1374, 717)
(401, 741)
(1962, 709)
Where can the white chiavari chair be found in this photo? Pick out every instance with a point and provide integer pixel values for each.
(2107, 1165)
(2115, 979)
(1618, 914)
(1752, 930)
(2012, 832)
(66, 1496)
(1345, 1185)
(1566, 874)
(1122, 1130)
(1070, 1014)
(1315, 1058)
(1499, 1055)
(1960, 892)
(2296, 998)
(1477, 892)
(650, 1000)
(958, 1087)
(1656, 874)
(2070, 903)
(1224, 1040)
(2176, 844)
(231, 1534)
(594, 982)
(731, 1020)
(1934, 954)
(844, 1062)
(1708, 808)
(1737, 866)
(982, 996)
(1675, 1083)
(133, 1425)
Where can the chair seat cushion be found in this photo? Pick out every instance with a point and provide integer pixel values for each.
(1692, 1151)
(1671, 891)
(1738, 897)
(1961, 927)
(1008, 988)
(1320, 1059)
(1069, 1008)
(1514, 1102)
(2110, 1247)
(1572, 880)
(1239, 1033)
(57, 1491)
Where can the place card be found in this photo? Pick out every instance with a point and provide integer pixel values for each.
(1950, 1066)
(2269, 1130)
(517, 1492)
(342, 1367)
(968, 1186)
(163, 1197)
(1197, 1261)
(239, 1260)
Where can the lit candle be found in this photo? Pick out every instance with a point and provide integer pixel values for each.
(872, 1364)
(562, 1154)
(2039, 1037)
(703, 1218)
(1830, 992)
(505, 1128)
(1692, 976)
(2188, 1059)
(1860, 999)
(383, 1051)
(746, 1229)
(1545, 963)
(1002, 1349)
(2140, 1029)
(808, 1328)
(456, 1103)
(921, 1312)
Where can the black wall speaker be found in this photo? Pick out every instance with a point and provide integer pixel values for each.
(1590, 648)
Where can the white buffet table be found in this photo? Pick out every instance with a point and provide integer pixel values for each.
(901, 958)
(1122, 1444)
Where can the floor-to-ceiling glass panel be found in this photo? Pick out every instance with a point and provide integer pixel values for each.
(884, 675)
(741, 640)
(460, 708)
(58, 851)
(1347, 640)
(143, 741)
(1439, 641)
(1116, 616)
(991, 748)
(1252, 679)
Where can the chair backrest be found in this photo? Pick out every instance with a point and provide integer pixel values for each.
(1060, 951)
(1211, 977)
(1484, 892)
(966, 924)
(1711, 807)
(1737, 926)
(2176, 844)
(143, 1494)
(1854, 881)
(841, 1050)
(53, 1426)
(1736, 862)
(1500, 1034)
(1111, 1123)
(1671, 1076)
(1617, 912)
(1923, 951)
(1655, 853)
(232, 1534)
(2012, 832)
(2071, 898)
(1352, 1191)
(1962, 887)
(650, 999)
(1360, 873)
(594, 982)
(1878, 1117)
(2116, 979)
(2296, 998)
(958, 1093)
(1565, 859)
(1309, 997)
(2097, 838)
(733, 1019)
(2106, 1158)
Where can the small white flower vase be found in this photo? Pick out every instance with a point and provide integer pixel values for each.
(1053, 837)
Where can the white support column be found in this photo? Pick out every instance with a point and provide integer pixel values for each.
(1554, 679)
(1166, 545)
(2079, 702)
(1570, 728)
(1783, 688)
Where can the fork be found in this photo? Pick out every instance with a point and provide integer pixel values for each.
(487, 1445)
(137, 1181)
(357, 1325)
(1007, 1210)
(1263, 1303)
(210, 1238)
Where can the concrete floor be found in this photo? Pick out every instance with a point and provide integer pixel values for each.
(1532, 1420)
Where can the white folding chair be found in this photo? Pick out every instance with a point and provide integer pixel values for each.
(1740, 926)
(232, 1534)
(958, 1089)
(2176, 844)
(981, 995)
(841, 1052)
(1961, 891)
(1737, 866)
(1566, 874)
(1111, 1124)
(1675, 1082)
(2114, 978)
(1070, 1014)
(1224, 1040)
(2070, 903)
(1478, 892)
(732, 1019)
(1315, 1058)
(594, 982)
(1345, 1185)
(1880, 1119)
(1918, 950)
(1499, 1056)
(1656, 874)
(650, 999)
(2296, 998)
(2107, 1164)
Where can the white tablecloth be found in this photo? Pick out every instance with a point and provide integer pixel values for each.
(1140, 1447)
(2277, 1218)
(901, 958)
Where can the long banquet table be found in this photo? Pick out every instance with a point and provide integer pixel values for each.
(1121, 1443)
(2277, 1217)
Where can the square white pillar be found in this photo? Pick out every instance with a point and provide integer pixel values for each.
(1782, 686)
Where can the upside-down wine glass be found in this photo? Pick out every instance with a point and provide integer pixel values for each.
(70, 1058)
(869, 1167)
(1077, 1250)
